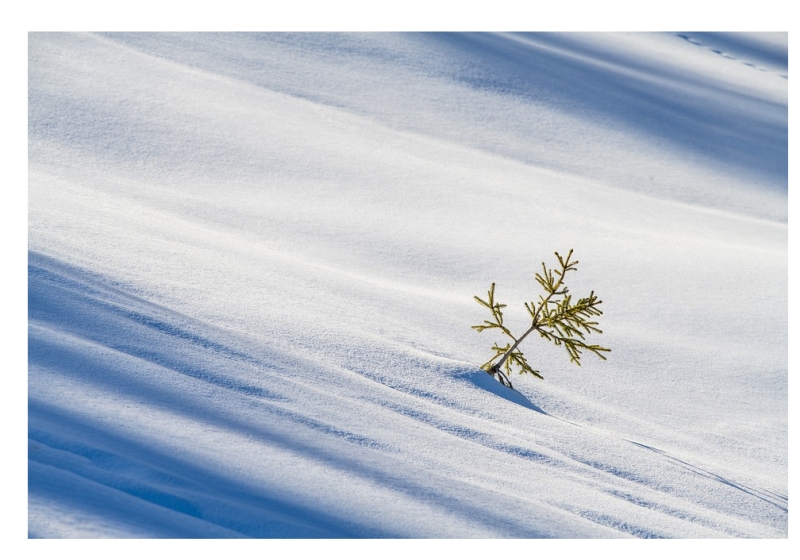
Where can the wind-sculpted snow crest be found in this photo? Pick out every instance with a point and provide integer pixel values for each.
(144, 422)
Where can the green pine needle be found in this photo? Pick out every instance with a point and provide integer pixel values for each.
(556, 317)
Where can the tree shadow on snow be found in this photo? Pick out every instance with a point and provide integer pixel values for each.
(486, 382)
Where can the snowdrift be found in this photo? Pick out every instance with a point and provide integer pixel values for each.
(252, 259)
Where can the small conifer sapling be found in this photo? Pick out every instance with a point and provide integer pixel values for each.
(555, 317)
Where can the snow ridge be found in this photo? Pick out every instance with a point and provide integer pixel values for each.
(251, 266)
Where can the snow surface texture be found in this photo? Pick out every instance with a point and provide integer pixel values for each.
(252, 259)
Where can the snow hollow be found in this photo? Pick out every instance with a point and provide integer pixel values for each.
(252, 261)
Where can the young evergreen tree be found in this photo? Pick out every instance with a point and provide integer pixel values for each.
(556, 317)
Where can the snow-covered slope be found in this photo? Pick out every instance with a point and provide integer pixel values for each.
(252, 260)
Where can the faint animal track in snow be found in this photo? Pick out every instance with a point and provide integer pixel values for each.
(728, 56)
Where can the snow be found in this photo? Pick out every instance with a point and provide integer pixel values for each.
(252, 259)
